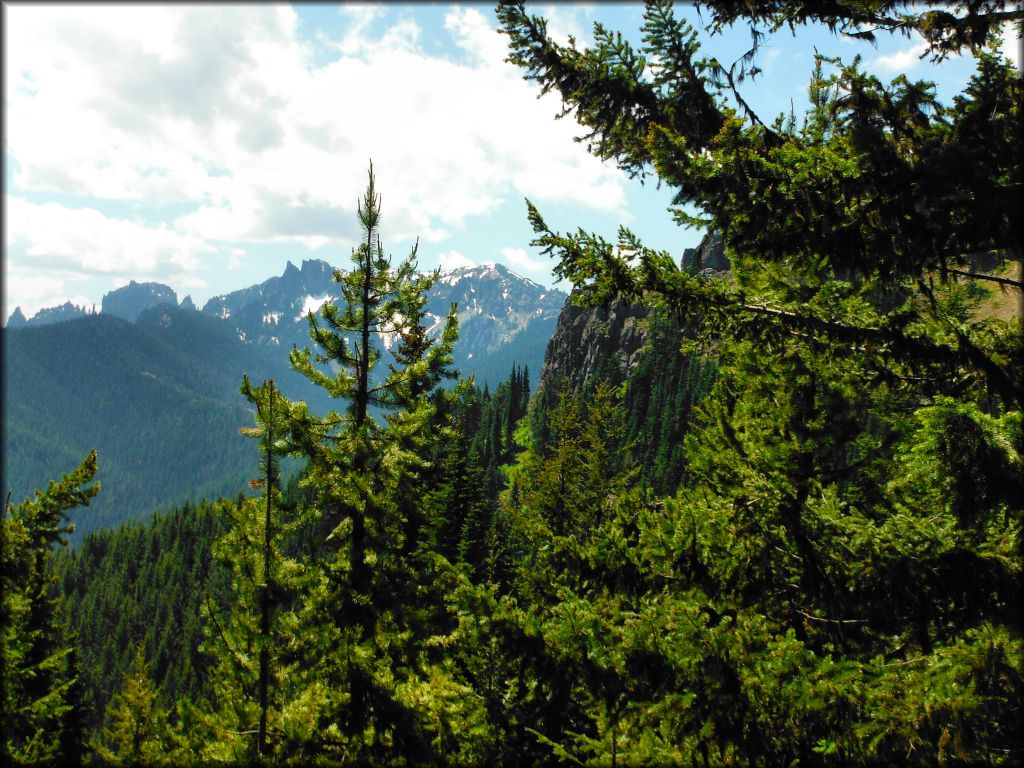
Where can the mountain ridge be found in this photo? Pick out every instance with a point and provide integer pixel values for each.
(158, 396)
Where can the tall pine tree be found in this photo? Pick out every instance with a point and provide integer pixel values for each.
(380, 696)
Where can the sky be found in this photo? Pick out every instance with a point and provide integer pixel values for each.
(205, 146)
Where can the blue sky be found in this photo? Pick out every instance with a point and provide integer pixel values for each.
(205, 146)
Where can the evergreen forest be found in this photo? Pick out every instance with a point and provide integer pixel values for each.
(790, 534)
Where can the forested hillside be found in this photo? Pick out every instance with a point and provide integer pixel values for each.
(136, 390)
(154, 409)
(790, 530)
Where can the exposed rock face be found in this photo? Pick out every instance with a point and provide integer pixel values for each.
(593, 340)
(607, 340)
(135, 298)
(276, 300)
(709, 256)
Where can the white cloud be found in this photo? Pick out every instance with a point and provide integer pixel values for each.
(1012, 44)
(472, 33)
(359, 17)
(520, 259)
(572, 20)
(218, 114)
(451, 260)
(48, 245)
(37, 290)
(903, 60)
(229, 89)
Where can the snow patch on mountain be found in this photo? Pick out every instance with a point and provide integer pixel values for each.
(312, 304)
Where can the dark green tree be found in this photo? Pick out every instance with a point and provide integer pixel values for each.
(36, 676)
(143, 586)
(797, 598)
(379, 696)
(254, 641)
(549, 549)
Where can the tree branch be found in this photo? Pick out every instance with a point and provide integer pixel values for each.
(1001, 280)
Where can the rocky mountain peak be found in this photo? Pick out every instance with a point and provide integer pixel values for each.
(66, 311)
(17, 319)
(129, 301)
(496, 306)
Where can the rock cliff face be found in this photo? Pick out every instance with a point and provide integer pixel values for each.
(135, 298)
(593, 340)
(709, 256)
(606, 342)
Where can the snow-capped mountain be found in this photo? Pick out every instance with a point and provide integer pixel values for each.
(503, 318)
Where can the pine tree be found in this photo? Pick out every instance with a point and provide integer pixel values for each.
(379, 697)
(253, 641)
(36, 671)
(796, 599)
(549, 549)
(136, 725)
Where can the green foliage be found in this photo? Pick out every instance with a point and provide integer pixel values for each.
(137, 725)
(37, 674)
(142, 587)
(849, 526)
(254, 641)
(816, 557)
(549, 544)
(372, 602)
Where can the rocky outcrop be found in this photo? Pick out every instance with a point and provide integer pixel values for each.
(17, 319)
(708, 257)
(606, 342)
(50, 315)
(589, 341)
(135, 298)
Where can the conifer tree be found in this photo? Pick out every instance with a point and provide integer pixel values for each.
(796, 599)
(254, 642)
(36, 673)
(380, 697)
(549, 548)
(136, 725)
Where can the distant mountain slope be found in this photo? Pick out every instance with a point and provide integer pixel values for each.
(503, 318)
(164, 420)
(159, 397)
